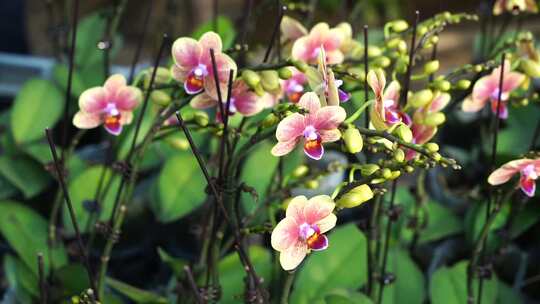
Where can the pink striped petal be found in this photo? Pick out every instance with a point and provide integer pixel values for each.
(439, 102)
(211, 40)
(473, 105)
(332, 40)
(126, 117)
(293, 256)
(93, 100)
(284, 147)
(310, 102)
(247, 103)
(301, 49)
(180, 73)
(512, 80)
(186, 53)
(392, 92)
(84, 120)
(202, 101)
(330, 135)
(329, 118)
(327, 223)
(504, 173)
(291, 29)
(224, 64)
(295, 209)
(318, 208)
(114, 83)
(284, 235)
(377, 81)
(128, 98)
(290, 128)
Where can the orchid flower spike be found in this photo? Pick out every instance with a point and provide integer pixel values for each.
(385, 113)
(243, 101)
(111, 105)
(487, 88)
(302, 230)
(308, 47)
(323, 82)
(514, 6)
(193, 64)
(529, 169)
(319, 125)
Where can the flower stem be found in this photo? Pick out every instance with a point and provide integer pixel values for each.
(42, 280)
(373, 235)
(366, 71)
(382, 279)
(287, 287)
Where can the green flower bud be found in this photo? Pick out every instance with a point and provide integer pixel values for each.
(402, 47)
(270, 80)
(404, 133)
(270, 120)
(300, 171)
(382, 62)
(399, 26)
(312, 184)
(201, 118)
(395, 174)
(393, 43)
(399, 155)
(463, 84)
(251, 78)
(434, 39)
(401, 65)
(431, 67)
(286, 203)
(368, 169)
(531, 68)
(524, 102)
(163, 76)
(386, 173)
(478, 68)
(259, 90)
(160, 97)
(355, 197)
(374, 51)
(409, 169)
(432, 147)
(353, 140)
(435, 119)
(442, 85)
(421, 98)
(178, 143)
(421, 30)
(285, 73)
(436, 156)
(300, 65)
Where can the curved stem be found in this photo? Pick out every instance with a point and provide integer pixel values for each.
(287, 288)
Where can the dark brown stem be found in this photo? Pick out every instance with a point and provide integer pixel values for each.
(407, 80)
(382, 279)
(366, 71)
(42, 281)
(282, 10)
(67, 198)
(140, 42)
(216, 80)
(193, 285)
(224, 138)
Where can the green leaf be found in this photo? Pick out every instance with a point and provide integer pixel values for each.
(409, 286)
(20, 276)
(476, 218)
(181, 186)
(232, 273)
(39, 104)
(42, 153)
(73, 279)
(225, 29)
(342, 296)
(176, 264)
(441, 223)
(525, 219)
(26, 232)
(83, 188)
(507, 294)
(24, 173)
(342, 265)
(60, 74)
(515, 138)
(448, 286)
(135, 294)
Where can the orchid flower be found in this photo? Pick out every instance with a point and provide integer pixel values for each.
(422, 131)
(514, 6)
(243, 100)
(302, 230)
(385, 113)
(293, 87)
(319, 125)
(529, 170)
(307, 48)
(193, 64)
(487, 88)
(291, 29)
(324, 83)
(111, 105)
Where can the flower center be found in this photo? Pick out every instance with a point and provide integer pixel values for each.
(194, 82)
(529, 172)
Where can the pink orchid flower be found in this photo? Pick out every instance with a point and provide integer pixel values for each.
(529, 170)
(291, 29)
(307, 48)
(302, 230)
(193, 64)
(423, 133)
(243, 101)
(323, 82)
(386, 111)
(294, 87)
(514, 6)
(487, 88)
(111, 105)
(318, 126)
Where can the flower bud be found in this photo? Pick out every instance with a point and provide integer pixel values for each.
(395, 174)
(399, 155)
(201, 118)
(312, 184)
(355, 197)
(386, 173)
(382, 62)
(178, 143)
(435, 119)
(421, 98)
(421, 30)
(402, 47)
(270, 120)
(353, 140)
(399, 26)
(463, 84)
(432, 147)
(442, 85)
(404, 133)
(524, 102)
(434, 39)
(374, 51)
(436, 156)
(368, 169)
(160, 97)
(163, 76)
(431, 67)
(300, 171)
(401, 65)
(478, 68)
(270, 80)
(285, 73)
(300, 65)
(393, 43)
(251, 78)
(409, 169)
(530, 68)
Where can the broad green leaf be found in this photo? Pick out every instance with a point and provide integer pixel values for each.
(232, 273)
(73, 279)
(60, 74)
(7, 189)
(409, 286)
(341, 296)
(476, 218)
(507, 294)
(449, 286)
(516, 137)
(38, 105)
(26, 232)
(342, 265)
(20, 279)
(24, 173)
(83, 187)
(225, 29)
(525, 219)
(135, 294)
(42, 153)
(441, 223)
(181, 186)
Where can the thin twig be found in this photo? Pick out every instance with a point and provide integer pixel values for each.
(193, 285)
(42, 281)
(282, 10)
(366, 71)
(407, 80)
(140, 42)
(382, 279)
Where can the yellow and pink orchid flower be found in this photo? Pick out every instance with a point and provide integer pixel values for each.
(487, 89)
(318, 126)
(294, 87)
(529, 169)
(308, 47)
(514, 6)
(111, 105)
(386, 112)
(302, 230)
(193, 64)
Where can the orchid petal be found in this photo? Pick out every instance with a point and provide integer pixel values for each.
(284, 147)
(114, 83)
(330, 135)
(318, 208)
(93, 100)
(285, 234)
(211, 40)
(293, 256)
(290, 128)
(295, 209)
(329, 118)
(128, 98)
(504, 173)
(291, 29)
(310, 101)
(327, 223)
(202, 101)
(84, 120)
(186, 52)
